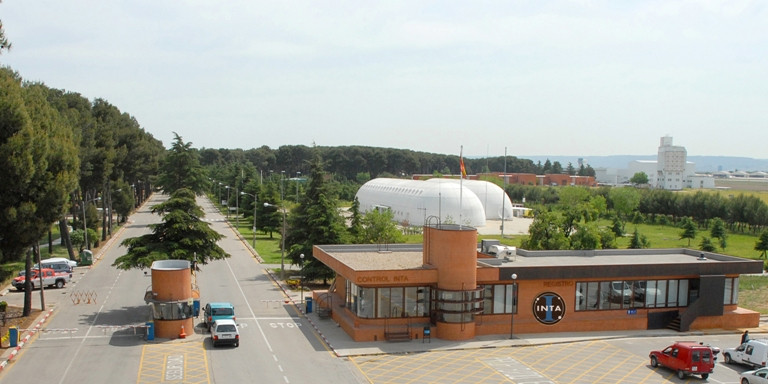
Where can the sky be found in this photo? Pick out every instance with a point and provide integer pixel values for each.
(478, 78)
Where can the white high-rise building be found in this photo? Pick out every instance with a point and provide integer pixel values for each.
(671, 170)
(671, 164)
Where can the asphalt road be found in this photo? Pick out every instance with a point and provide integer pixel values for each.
(96, 332)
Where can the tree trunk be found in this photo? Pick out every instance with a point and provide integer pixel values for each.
(66, 240)
(28, 285)
(104, 217)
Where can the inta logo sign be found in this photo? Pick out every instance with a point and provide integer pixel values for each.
(548, 308)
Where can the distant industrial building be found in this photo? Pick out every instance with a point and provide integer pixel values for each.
(670, 170)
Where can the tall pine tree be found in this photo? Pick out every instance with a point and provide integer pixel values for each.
(316, 220)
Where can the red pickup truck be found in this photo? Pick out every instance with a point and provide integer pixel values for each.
(50, 278)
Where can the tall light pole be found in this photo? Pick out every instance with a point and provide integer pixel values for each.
(227, 187)
(298, 178)
(237, 210)
(254, 217)
(302, 281)
(514, 307)
(282, 240)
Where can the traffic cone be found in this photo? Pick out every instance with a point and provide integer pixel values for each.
(183, 334)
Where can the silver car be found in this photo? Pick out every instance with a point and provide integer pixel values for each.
(759, 376)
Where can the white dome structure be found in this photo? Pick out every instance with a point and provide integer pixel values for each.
(413, 201)
(493, 198)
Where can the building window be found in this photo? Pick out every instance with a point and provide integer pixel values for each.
(177, 310)
(387, 302)
(619, 294)
(731, 295)
(457, 306)
(499, 298)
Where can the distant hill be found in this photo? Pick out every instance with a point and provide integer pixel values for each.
(703, 163)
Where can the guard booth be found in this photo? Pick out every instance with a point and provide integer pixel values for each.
(171, 298)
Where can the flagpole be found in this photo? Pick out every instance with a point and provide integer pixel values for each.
(504, 192)
(461, 185)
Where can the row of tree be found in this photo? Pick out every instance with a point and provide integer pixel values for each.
(567, 217)
(63, 155)
(347, 162)
(741, 213)
(314, 218)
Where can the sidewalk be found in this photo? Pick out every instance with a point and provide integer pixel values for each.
(342, 345)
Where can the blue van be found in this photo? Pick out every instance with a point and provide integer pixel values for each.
(217, 311)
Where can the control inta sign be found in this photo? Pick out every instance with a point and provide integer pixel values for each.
(548, 308)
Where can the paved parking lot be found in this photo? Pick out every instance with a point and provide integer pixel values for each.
(588, 362)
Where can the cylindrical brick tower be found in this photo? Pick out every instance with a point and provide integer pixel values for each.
(172, 298)
(452, 249)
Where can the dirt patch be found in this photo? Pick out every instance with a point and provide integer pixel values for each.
(13, 318)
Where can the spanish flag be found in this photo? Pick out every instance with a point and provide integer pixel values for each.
(461, 164)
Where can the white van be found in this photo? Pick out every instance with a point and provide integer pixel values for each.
(752, 352)
(71, 263)
(58, 264)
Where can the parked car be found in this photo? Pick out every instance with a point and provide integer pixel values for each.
(686, 358)
(758, 376)
(753, 353)
(224, 331)
(218, 311)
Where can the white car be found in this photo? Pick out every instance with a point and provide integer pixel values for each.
(224, 331)
(759, 376)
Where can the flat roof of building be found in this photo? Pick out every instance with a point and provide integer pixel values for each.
(410, 257)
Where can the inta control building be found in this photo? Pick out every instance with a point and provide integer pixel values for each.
(449, 286)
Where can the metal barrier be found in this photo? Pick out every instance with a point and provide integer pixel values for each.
(70, 331)
(9, 315)
(275, 302)
(116, 328)
(84, 297)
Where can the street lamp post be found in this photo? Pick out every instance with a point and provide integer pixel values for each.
(254, 217)
(514, 307)
(302, 280)
(282, 240)
(298, 178)
(219, 193)
(227, 187)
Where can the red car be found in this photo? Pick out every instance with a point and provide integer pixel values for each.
(686, 358)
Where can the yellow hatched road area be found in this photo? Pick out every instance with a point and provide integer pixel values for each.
(588, 363)
(174, 363)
